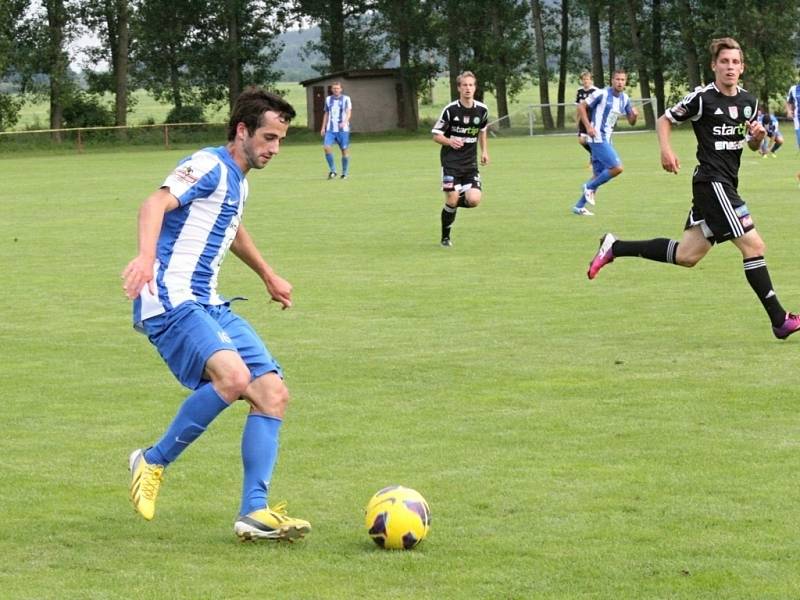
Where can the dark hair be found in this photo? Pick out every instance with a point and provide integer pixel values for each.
(250, 107)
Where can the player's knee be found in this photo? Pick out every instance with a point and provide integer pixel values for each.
(231, 385)
(616, 170)
(269, 396)
(473, 201)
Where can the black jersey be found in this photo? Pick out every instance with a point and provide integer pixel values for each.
(459, 121)
(580, 97)
(583, 94)
(720, 126)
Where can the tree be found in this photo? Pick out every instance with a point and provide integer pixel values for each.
(595, 42)
(633, 10)
(238, 46)
(541, 64)
(407, 30)
(11, 13)
(108, 19)
(165, 31)
(345, 38)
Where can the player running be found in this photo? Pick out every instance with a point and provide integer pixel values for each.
(599, 113)
(459, 130)
(723, 116)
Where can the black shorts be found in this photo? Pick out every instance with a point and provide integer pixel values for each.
(719, 211)
(460, 181)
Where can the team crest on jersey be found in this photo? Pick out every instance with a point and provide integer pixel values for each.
(733, 111)
(747, 112)
(186, 174)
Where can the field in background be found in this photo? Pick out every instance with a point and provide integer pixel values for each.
(636, 436)
(146, 109)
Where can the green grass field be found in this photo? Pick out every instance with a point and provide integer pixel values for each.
(636, 436)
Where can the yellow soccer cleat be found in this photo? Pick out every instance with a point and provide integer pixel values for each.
(145, 483)
(270, 524)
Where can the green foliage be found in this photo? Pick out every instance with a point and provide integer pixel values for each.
(86, 110)
(186, 114)
(574, 439)
(9, 111)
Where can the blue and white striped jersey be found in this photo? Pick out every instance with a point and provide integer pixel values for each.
(211, 190)
(604, 110)
(793, 98)
(337, 110)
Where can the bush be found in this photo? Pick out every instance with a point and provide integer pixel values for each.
(86, 110)
(186, 114)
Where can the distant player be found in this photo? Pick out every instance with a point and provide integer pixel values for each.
(336, 129)
(773, 140)
(185, 229)
(459, 130)
(723, 116)
(599, 113)
(792, 112)
(586, 90)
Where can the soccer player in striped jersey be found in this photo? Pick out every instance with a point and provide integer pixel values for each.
(185, 230)
(773, 140)
(460, 129)
(723, 116)
(599, 113)
(792, 106)
(336, 129)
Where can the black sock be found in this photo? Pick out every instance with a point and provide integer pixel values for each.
(755, 269)
(658, 249)
(776, 146)
(448, 216)
(586, 147)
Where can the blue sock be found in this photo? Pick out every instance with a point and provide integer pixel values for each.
(331, 166)
(194, 415)
(345, 165)
(581, 202)
(599, 180)
(259, 453)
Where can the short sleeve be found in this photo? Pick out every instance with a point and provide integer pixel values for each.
(196, 177)
(443, 122)
(689, 107)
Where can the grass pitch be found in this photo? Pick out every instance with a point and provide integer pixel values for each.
(631, 437)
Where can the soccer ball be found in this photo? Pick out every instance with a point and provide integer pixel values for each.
(397, 518)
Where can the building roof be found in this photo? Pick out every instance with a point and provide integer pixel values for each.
(353, 74)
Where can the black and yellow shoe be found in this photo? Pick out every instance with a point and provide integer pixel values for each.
(145, 483)
(270, 524)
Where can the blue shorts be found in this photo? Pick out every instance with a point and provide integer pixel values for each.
(189, 334)
(604, 156)
(340, 137)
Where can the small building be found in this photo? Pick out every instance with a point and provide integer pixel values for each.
(377, 96)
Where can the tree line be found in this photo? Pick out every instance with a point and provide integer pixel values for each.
(193, 52)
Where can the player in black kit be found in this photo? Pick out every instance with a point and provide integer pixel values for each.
(723, 116)
(459, 129)
(587, 89)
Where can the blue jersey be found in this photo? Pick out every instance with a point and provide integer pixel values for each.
(337, 108)
(604, 109)
(770, 123)
(211, 191)
(793, 98)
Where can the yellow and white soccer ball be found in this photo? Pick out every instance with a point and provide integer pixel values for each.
(397, 518)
